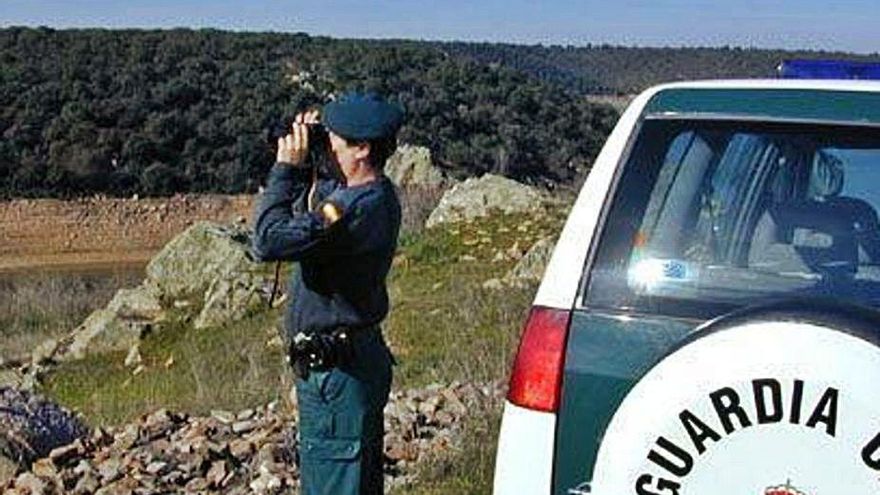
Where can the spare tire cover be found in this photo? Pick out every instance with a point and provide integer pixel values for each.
(765, 402)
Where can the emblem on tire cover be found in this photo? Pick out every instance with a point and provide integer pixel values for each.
(786, 489)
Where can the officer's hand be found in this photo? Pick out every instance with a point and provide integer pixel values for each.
(294, 147)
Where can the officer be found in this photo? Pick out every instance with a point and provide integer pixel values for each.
(344, 242)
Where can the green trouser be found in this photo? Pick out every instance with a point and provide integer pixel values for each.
(341, 421)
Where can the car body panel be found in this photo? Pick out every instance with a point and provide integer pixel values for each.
(608, 348)
(559, 286)
(525, 451)
(772, 104)
(606, 355)
(520, 468)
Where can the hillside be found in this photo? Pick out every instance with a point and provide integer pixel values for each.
(606, 69)
(160, 112)
(154, 113)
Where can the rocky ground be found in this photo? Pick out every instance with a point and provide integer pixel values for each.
(250, 451)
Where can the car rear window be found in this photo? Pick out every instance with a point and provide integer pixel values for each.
(713, 214)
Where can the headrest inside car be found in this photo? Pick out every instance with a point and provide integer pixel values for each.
(826, 176)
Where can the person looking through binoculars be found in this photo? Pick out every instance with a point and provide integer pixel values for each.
(342, 228)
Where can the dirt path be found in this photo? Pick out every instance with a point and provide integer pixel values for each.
(99, 230)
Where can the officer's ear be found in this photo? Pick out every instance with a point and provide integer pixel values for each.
(362, 150)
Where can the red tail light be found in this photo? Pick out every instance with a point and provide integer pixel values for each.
(537, 372)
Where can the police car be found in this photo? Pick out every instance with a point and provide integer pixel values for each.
(708, 320)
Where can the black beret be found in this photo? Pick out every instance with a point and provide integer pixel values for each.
(362, 117)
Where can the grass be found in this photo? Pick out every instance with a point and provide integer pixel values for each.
(443, 326)
(36, 307)
(232, 367)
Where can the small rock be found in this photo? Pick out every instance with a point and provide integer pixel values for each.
(430, 405)
(266, 455)
(196, 485)
(398, 449)
(157, 468)
(100, 437)
(444, 418)
(453, 401)
(243, 426)
(157, 423)
(64, 454)
(127, 438)
(44, 468)
(161, 447)
(217, 474)
(7, 470)
(240, 449)
(134, 356)
(31, 482)
(174, 478)
(266, 483)
(82, 468)
(110, 469)
(87, 484)
(224, 417)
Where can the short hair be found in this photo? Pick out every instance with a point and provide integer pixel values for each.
(381, 149)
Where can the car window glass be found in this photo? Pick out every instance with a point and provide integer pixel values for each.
(729, 213)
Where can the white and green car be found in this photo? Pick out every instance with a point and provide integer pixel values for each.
(708, 322)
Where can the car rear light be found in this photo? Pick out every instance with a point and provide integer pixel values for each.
(537, 371)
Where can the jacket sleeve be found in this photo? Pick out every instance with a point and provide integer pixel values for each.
(279, 233)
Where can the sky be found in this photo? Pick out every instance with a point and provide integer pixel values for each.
(845, 25)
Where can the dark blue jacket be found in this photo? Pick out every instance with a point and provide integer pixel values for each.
(341, 280)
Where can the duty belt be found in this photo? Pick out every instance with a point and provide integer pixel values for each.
(320, 351)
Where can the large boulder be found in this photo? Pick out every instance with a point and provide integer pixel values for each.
(101, 332)
(189, 264)
(209, 265)
(205, 273)
(230, 299)
(479, 197)
(141, 302)
(410, 167)
(129, 315)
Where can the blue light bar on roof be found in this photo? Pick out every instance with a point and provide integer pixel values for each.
(828, 69)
